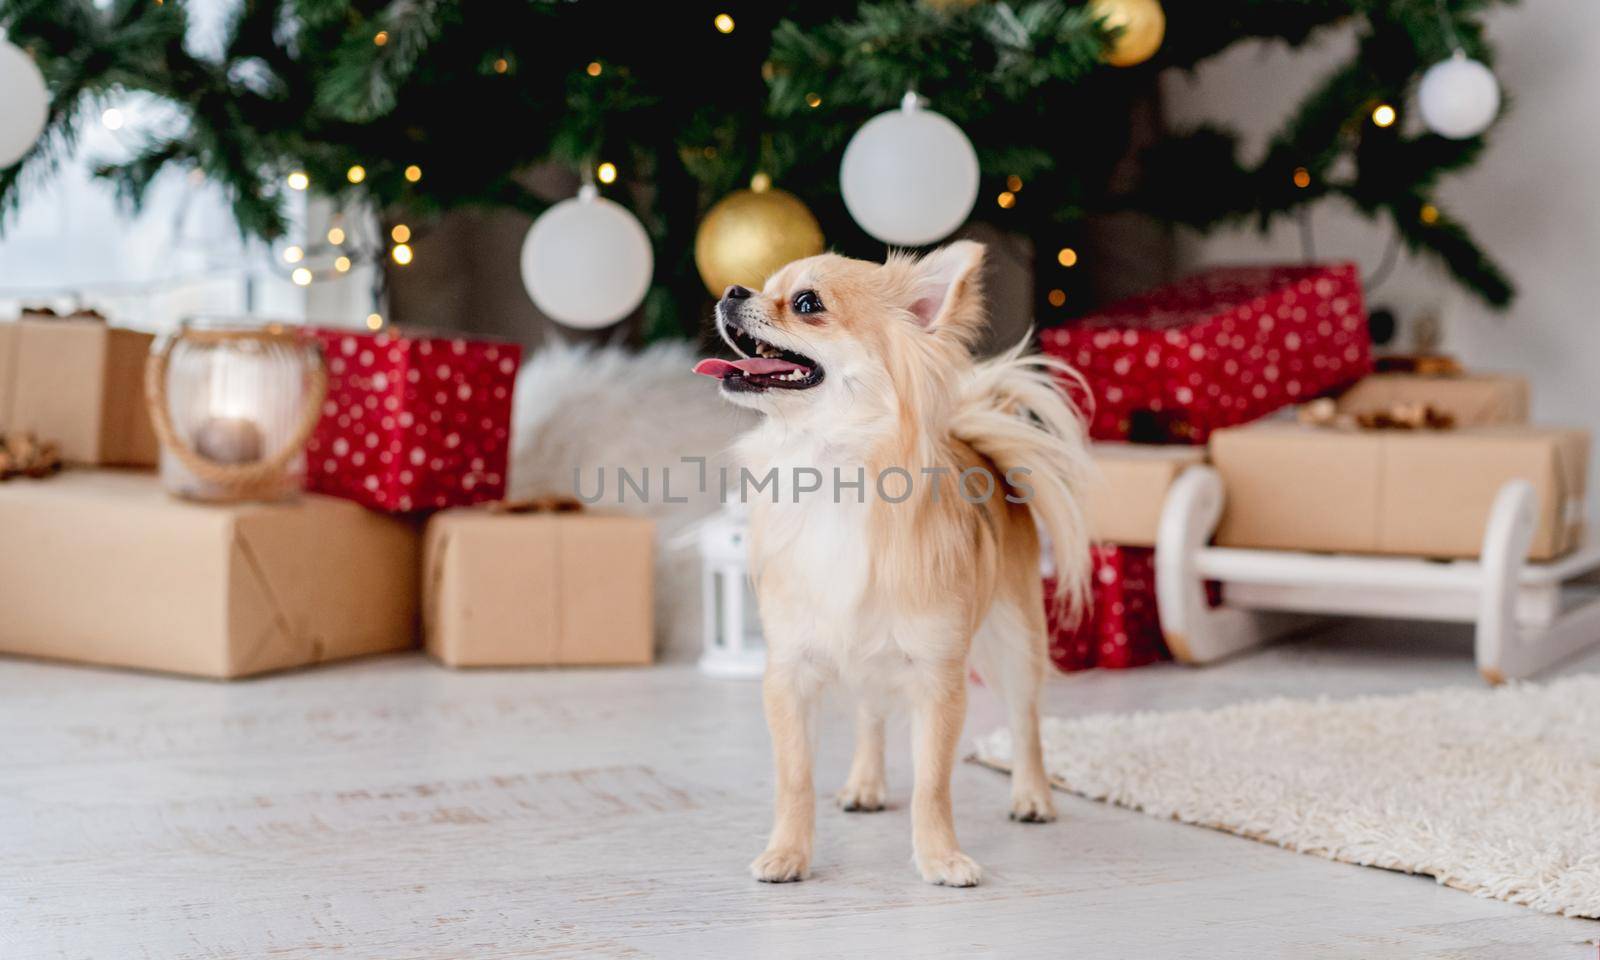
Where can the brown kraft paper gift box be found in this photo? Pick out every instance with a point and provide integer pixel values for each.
(1124, 502)
(1473, 399)
(1414, 492)
(79, 383)
(104, 567)
(537, 589)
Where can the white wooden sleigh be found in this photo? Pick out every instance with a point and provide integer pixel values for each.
(1528, 615)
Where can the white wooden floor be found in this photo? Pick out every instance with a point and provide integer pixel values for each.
(392, 809)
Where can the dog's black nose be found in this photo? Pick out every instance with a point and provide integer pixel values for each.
(737, 292)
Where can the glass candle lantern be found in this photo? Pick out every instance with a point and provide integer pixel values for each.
(233, 406)
(732, 628)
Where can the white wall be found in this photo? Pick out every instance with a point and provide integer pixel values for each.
(1533, 201)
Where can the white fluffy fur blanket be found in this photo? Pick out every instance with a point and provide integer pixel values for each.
(586, 408)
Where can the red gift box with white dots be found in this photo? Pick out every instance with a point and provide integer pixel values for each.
(1220, 348)
(1121, 628)
(413, 421)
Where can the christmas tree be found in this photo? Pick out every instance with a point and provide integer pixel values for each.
(417, 107)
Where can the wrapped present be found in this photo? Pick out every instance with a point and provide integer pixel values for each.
(1124, 502)
(1121, 628)
(78, 383)
(1470, 399)
(537, 587)
(1427, 364)
(413, 421)
(105, 567)
(1221, 348)
(1414, 492)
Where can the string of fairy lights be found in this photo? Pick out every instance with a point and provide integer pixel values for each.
(1456, 98)
(339, 242)
(889, 186)
(343, 245)
(339, 239)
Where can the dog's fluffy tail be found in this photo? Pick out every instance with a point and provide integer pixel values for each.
(1015, 410)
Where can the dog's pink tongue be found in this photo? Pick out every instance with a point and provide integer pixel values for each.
(714, 368)
(721, 368)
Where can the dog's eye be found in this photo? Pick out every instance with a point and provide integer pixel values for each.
(807, 301)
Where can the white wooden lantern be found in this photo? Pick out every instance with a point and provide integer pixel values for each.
(732, 628)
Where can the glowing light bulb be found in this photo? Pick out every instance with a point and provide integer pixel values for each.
(1013, 183)
(301, 277)
(1383, 115)
(761, 182)
(401, 254)
(723, 23)
(413, 173)
(502, 65)
(298, 180)
(112, 119)
(813, 100)
(1428, 214)
(356, 173)
(401, 233)
(1302, 177)
(374, 321)
(381, 37)
(1006, 200)
(1067, 257)
(293, 254)
(606, 172)
(335, 236)
(342, 264)
(1057, 297)
(594, 68)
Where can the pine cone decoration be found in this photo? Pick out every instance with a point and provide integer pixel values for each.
(23, 455)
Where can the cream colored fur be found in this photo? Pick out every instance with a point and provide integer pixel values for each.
(895, 599)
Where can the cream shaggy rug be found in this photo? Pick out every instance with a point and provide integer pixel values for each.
(1494, 791)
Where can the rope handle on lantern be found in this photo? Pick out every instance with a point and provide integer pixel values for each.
(243, 479)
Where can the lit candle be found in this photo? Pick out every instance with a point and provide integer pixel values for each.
(229, 440)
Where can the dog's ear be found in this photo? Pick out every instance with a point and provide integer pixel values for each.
(947, 289)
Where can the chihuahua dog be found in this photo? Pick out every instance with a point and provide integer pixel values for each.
(881, 556)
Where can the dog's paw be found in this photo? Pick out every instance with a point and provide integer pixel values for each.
(781, 865)
(953, 869)
(865, 797)
(1033, 806)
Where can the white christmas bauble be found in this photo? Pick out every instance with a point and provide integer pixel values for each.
(24, 103)
(1459, 97)
(587, 261)
(909, 176)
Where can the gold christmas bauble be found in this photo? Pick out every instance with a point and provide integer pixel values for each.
(748, 235)
(1142, 24)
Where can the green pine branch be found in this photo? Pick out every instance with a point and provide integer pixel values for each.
(967, 60)
(365, 75)
(1448, 241)
(689, 114)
